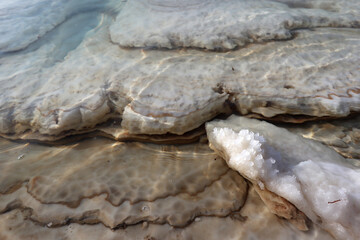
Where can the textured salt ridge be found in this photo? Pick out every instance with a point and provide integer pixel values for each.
(225, 24)
(22, 23)
(311, 176)
(314, 74)
(253, 221)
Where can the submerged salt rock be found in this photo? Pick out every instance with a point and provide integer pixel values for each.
(342, 135)
(23, 22)
(117, 184)
(314, 178)
(221, 24)
(253, 221)
(53, 90)
(122, 171)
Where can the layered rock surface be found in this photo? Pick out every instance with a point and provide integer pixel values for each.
(314, 74)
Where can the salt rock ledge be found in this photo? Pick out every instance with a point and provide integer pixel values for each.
(225, 24)
(314, 178)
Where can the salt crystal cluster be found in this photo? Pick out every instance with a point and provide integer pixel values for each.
(244, 149)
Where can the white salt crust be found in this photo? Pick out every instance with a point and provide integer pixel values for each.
(309, 175)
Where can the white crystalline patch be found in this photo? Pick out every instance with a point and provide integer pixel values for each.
(244, 150)
(328, 193)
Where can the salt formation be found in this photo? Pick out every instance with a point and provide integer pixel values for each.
(223, 24)
(117, 184)
(313, 177)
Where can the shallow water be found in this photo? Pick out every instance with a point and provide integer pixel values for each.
(103, 106)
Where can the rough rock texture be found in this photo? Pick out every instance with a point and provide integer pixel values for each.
(223, 24)
(253, 221)
(313, 177)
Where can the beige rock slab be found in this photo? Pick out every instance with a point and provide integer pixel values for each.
(254, 221)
